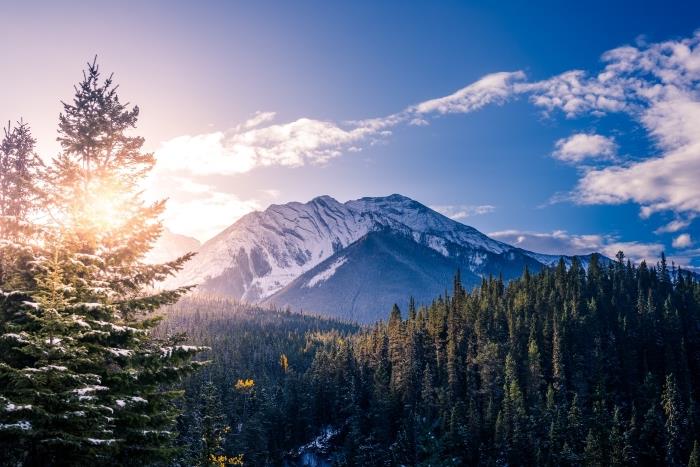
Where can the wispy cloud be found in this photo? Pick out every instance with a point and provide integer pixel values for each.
(307, 141)
(493, 88)
(676, 225)
(463, 211)
(560, 242)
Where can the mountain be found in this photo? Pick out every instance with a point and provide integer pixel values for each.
(170, 246)
(267, 255)
(363, 281)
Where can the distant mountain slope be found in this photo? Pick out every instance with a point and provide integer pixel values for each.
(264, 252)
(364, 280)
(170, 246)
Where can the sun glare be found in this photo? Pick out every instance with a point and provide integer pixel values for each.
(100, 209)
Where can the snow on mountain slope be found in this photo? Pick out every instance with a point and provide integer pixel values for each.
(553, 260)
(265, 251)
(364, 280)
(325, 274)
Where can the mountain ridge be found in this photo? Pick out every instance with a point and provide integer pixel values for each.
(265, 251)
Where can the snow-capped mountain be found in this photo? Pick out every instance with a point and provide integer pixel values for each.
(363, 281)
(263, 252)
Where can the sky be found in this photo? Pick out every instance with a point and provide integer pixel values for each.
(559, 127)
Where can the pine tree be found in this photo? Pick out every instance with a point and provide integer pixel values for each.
(20, 168)
(92, 303)
(694, 460)
(213, 422)
(593, 451)
(617, 439)
(575, 428)
(396, 336)
(673, 411)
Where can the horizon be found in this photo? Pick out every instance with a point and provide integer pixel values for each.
(560, 139)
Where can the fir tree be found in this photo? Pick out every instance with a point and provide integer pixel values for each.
(694, 460)
(673, 411)
(100, 386)
(20, 170)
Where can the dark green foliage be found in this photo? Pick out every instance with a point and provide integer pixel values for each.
(279, 412)
(82, 379)
(566, 367)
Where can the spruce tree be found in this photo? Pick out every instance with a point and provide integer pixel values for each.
(694, 460)
(79, 348)
(213, 422)
(673, 411)
(20, 170)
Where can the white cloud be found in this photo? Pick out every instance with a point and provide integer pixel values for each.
(258, 119)
(271, 192)
(635, 251)
(560, 242)
(675, 225)
(581, 146)
(574, 93)
(682, 241)
(556, 243)
(657, 85)
(294, 144)
(203, 154)
(493, 88)
(463, 211)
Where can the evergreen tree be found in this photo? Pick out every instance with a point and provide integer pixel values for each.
(694, 460)
(673, 411)
(20, 170)
(100, 389)
(213, 423)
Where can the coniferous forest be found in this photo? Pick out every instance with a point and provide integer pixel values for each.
(563, 367)
(566, 366)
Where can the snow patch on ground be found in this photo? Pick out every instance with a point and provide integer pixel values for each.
(326, 273)
(315, 452)
(10, 407)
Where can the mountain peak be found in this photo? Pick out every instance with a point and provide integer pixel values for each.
(265, 251)
(325, 198)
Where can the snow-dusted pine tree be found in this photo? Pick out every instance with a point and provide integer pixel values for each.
(20, 168)
(82, 380)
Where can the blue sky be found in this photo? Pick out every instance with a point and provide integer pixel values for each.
(248, 104)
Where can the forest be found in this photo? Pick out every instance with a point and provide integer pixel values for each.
(569, 366)
(574, 366)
